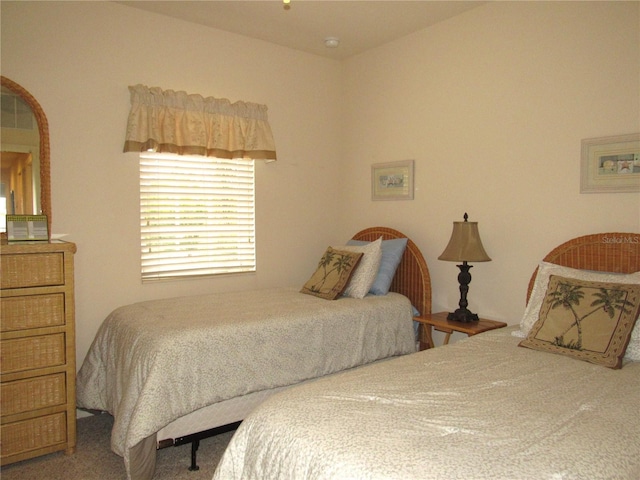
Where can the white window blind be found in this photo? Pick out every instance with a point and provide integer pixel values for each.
(197, 216)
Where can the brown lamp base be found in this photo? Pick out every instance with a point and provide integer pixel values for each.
(462, 315)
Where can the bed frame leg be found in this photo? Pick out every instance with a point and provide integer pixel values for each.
(194, 440)
(194, 450)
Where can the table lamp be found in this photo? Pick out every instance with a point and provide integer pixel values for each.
(464, 246)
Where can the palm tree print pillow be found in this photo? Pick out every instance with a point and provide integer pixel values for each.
(590, 321)
(333, 274)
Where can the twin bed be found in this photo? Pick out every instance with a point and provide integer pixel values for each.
(507, 404)
(177, 370)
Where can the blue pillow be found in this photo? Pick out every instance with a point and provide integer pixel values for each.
(392, 251)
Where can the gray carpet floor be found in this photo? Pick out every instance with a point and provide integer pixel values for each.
(94, 459)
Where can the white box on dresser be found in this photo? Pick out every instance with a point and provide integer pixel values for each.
(37, 350)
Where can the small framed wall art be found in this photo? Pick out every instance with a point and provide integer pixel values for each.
(392, 181)
(610, 164)
(27, 228)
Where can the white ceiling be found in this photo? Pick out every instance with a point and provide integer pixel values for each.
(359, 24)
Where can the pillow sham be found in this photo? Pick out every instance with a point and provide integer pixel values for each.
(392, 251)
(366, 271)
(538, 292)
(333, 273)
(633, 349)
(590, 321)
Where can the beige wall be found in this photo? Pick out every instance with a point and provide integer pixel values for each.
(491, 105)
(77, 59)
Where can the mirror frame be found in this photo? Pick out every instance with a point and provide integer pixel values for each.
(45, 160)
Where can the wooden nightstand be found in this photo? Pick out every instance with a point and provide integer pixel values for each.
(439, 322)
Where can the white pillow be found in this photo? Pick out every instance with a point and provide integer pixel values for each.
(545, 270)
(367, 269)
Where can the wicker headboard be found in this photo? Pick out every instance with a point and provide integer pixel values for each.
(412, 276)
(604, 252)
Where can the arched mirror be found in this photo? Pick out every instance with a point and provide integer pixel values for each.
(26, 174)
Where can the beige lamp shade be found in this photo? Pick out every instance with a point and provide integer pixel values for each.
(465, 244)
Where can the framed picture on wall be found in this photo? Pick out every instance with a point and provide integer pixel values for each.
(392, 181)
(610, 164)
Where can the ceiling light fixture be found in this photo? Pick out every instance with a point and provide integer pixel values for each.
(331, 42)
(286, 4)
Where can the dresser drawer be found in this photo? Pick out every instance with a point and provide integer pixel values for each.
(33, 393)
(33, 434)
(28, 353)
(32, 270)
(34, 311)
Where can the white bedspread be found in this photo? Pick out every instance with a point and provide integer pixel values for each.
(153, 362)
(483, 408)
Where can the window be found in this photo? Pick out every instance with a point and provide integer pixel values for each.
(16, 113)
(197, 216)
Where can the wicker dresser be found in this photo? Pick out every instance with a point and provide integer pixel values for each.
(37, 350)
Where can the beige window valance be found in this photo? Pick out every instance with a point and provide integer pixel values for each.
(188, 124)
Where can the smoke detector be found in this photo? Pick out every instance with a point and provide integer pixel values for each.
(331, 42)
